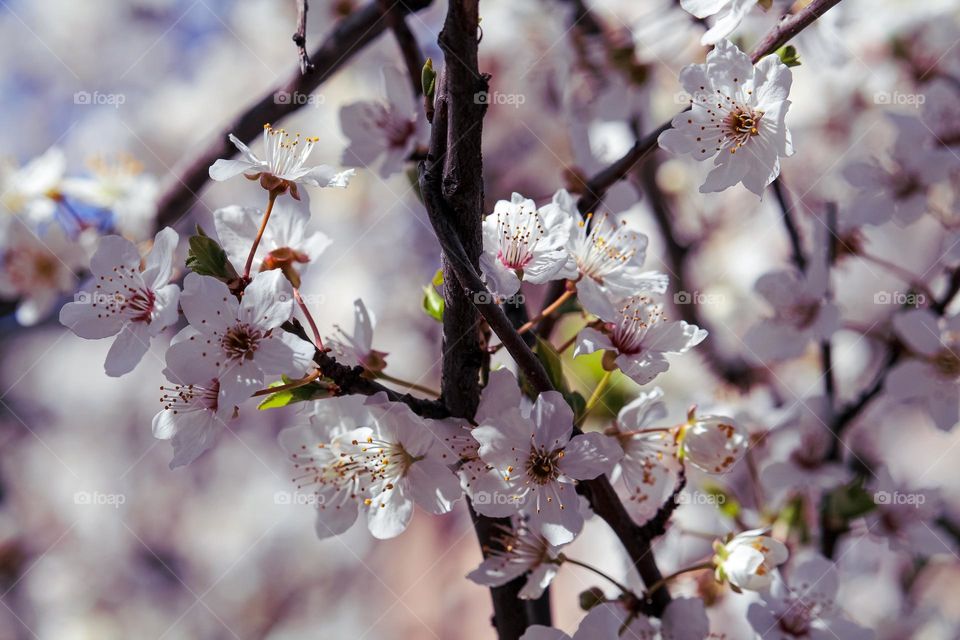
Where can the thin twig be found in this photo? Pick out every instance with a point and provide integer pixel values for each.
(300, 37)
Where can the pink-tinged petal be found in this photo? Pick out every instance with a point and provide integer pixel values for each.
(590, 340)
(910, 379)
(503, 437)
(540, 632)
(166, 308)
(643, 411)
(433, 487)
(773, 80)
(494, 572)
(389, 514)
(590, 455)
(196, 432)
(553, 418)
(88, 322)
(866, 176)
(703, 8)
(236, 228)
(325, 176)
(334, 516)
(114, 253)
(193, 359)
(537, 582)
(943, 403)
(238, 382)
(502, 391)
(363, 323)
(555, 512)
(224, 169)
(603, 622)
(128, 349)
(207, 303)
(158, 265)
(920, 330)
(244, 150)
(729, 169)
(596, 299)
(642, 369)
(501, 280)
(284, 353)
(490, 494)
(267, 301)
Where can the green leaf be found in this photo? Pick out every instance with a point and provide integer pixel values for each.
(847, 502)
(553, 364)
(432, 302)
(428, 78)
(316, 390)
(726, 503)
(789, 56)
(207, 258)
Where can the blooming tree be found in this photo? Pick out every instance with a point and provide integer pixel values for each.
(733, 488)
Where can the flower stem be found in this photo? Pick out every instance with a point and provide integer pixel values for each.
(317, 340)
(664, 580)
(594, 399)
(562, 558)
(410, 385)
(256, 241)
(307, 379)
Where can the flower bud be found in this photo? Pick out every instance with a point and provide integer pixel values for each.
(712, 443)
(748, 559)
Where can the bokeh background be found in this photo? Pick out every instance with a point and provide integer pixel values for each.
(100, 540)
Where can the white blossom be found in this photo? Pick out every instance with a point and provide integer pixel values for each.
(540, 462)
(730, 14)
(638, 339)
(356, 349)
(238, 342)
(366, 454)
(34, 190)
(521, 242)
(519, 551)
(127, 299)
(712, 443)
(748, 559)
(124, 189)
(389, 127)
(283, 165)
(738, 115)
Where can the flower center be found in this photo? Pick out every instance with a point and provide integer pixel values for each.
(240, 342)
(947, 364)
(285, 154)
(795, 621)
(607, 248)
(519, 233)
(740, 125)
(544, 466)
(140, 304)
(636, 318)
(395, 129)
(190, 397)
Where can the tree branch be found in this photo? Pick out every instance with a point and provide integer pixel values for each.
(300, 37)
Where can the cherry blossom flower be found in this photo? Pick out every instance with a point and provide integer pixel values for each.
(897, 190)
(127, 300)
(357, 349)
(192, 414)
(283, 165)
(638, 339)
(712, 443)
(730, 14)
(601, 623)
(37, 269)
(906, 517)
(805, 607)
(649, 465)
(124, 189)
(738, 115)
(368, 454)
(33, 191)
(389, 127)
(931, 374)
(519, 551)
(539, 461)
(802, 313)
(747, 560)
(238, 342)
(607, 259)
(285, 243)
(489, 493)
(521, 242)
(799, 447)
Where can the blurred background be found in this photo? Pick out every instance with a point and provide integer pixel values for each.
(100, 540)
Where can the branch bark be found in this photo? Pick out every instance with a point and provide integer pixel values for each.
(300, 37)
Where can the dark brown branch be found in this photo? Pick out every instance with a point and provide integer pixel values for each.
(789, 223)
(412, 56)
(790, 26)
(300, 37)
(349, 36)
